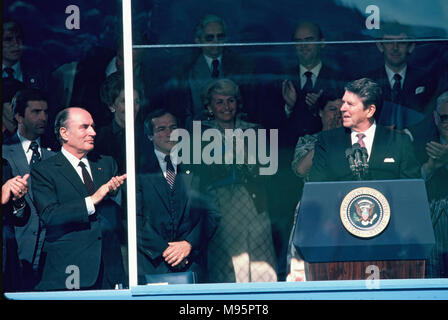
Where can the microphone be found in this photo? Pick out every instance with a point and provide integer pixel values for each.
(364, 157)
(358, 155)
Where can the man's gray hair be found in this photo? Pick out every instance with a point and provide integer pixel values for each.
(59, 122)
(199, 30)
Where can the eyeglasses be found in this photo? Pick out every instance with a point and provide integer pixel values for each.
(210, 37)
(443, 117)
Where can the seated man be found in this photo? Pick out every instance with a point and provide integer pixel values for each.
(175, 218)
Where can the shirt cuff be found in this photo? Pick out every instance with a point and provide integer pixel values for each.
(90, 206)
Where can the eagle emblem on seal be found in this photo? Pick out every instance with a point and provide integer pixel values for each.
(365, 210)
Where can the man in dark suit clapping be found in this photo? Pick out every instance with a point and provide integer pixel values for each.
(73, 192)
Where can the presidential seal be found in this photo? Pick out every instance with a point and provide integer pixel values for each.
(365, 212)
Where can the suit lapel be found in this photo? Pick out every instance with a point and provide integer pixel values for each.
(18, 157)
(379, 147)
(97, 177)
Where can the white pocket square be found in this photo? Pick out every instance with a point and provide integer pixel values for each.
(389, 160)
(419, 90)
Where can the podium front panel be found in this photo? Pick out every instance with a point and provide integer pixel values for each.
(320, 235)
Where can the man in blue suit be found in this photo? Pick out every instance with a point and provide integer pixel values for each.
(23, 150)
(73, 193)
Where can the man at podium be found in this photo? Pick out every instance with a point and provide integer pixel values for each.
(362, 149)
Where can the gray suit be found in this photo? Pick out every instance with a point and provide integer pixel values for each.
(29, 237)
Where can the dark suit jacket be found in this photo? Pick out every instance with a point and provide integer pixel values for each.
(11, 267)
(72, 237)
(417, 91)
(190, 215)
(35, 74)
(89, 77)
(330, 163)
(30, 237)
(301, 121)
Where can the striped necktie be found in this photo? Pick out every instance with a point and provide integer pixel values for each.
(170, 173)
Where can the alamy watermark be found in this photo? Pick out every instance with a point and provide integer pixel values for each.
(72, 282)
(373, 280)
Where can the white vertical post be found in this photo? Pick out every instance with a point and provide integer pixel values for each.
(130, 152)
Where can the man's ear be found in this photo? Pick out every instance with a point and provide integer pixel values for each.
(380, 47)
(18, 118)
(63, 133)
(322, 45)
(436, 118)
(372, 109)
(411, 47)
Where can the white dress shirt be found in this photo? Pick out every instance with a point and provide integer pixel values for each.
(209, 62)
(74, 161)
(368, 139)
(315, 71)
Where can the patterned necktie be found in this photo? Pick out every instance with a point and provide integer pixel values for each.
(170, 173)
(87, 179)
(35, 158)
(308, 87)
(396, 89)
(215, 70)
(9, 72)
(361, 136)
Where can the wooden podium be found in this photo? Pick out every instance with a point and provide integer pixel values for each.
(330, 234)
(357, 270)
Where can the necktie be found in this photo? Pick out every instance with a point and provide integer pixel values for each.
(361, 136)
(170, 173)
(35, 158)
(308, 87)
(396, 88)
(9, 72)
(87, 179)
(215, 70)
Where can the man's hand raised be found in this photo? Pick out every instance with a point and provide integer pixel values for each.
(111, 186)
